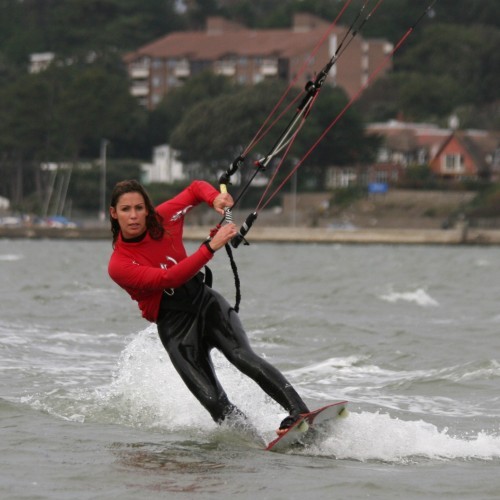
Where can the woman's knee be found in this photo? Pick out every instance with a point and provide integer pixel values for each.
(246, 361)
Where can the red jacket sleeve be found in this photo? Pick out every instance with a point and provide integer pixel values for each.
(196, 193)
(133, 276)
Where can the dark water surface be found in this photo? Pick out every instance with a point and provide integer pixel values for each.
(90, 406)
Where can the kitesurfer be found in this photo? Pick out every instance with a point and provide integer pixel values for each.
(150, 262)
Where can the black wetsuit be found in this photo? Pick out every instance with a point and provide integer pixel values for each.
(194, 320)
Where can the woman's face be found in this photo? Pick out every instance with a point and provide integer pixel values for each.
(131, 213)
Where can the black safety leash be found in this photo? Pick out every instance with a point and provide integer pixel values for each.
(228, 217)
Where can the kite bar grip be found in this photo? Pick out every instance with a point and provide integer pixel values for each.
(228, 214)
(235, 242)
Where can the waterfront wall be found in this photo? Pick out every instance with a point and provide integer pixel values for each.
(460, 235)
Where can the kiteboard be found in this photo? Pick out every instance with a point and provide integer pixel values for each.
(310, 427)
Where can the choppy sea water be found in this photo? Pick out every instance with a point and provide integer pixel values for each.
(90, 406)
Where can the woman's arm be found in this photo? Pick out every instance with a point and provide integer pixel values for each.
(197, 192)
(131, 275)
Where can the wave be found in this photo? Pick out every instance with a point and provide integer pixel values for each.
(146, 392)
(414, 392)
(150, 389)
(353, 368)
(11, 257)
(419, 297)
(374, 436)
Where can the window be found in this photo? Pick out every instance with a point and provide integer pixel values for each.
(257, 78)
(454, 162)
(172, 81)
(383, 155)
(421, 156)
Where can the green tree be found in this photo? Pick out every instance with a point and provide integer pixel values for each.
(379, 101)
(421, 97)
(61, 115)
(84, 189)
(261, 13)
(391, 19)
(450, 68)
(344, 143)
(485, 12)
(103, 24)
(468, 55)
(82, 26)
(24, 132)
(94, 104)
(411, 95)
(199, 10)
(170, 112)
(214, 132)
(485, 117)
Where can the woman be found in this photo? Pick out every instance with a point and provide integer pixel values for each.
(150, 262)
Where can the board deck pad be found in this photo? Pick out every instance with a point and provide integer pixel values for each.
(309, 426)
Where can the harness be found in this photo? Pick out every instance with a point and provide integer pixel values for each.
(184, 298)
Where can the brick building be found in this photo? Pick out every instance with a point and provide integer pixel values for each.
(250, 56)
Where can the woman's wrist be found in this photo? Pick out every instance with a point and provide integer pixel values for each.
(207, 244)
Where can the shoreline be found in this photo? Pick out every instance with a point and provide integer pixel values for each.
(461, 235)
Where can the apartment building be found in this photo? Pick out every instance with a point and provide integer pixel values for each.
(250, 56)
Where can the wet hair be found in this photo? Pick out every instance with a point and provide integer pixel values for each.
(154, 221)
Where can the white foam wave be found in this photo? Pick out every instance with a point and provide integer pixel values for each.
(373, 436)
(147, 385)
(355, 379)
(11, 257)
(470, 373)
(154, 396)
(352, 368)
(482, 263)
(419, 297)
(146, 392)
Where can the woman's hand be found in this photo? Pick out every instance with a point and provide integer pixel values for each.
(224, 235)
(223, 200)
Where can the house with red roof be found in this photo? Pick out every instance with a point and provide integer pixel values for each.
(468, 154)
(451, 154)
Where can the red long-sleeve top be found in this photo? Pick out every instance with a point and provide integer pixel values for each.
(145, 268)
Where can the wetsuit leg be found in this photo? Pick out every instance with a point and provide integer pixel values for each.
(227, 334)
(180, 334)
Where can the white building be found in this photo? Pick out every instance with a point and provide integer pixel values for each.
(165, 167)
(40, 61)
(4, 203)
